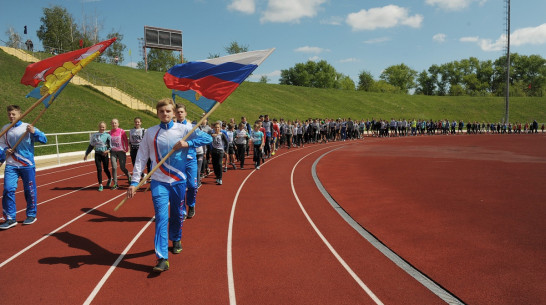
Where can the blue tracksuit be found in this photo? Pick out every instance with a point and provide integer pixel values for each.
(191, 172)
(169, 180)
(20, 164)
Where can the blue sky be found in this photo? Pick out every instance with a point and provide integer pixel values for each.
(352, 36)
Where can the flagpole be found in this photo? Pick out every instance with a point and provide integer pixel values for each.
(143, 180)
(24, 114)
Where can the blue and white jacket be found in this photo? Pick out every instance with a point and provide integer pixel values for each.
(158, 142)
(24, 152)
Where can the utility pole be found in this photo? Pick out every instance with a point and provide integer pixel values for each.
(507, 108)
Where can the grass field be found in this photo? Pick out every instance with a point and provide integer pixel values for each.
(81, 108)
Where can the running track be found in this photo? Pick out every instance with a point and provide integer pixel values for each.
(417, 220)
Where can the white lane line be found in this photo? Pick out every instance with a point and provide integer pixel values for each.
(65, 194)
(325, 241)
(95, 291)
(231, 282)
(53, 182)
(55, 231)
(442, 293)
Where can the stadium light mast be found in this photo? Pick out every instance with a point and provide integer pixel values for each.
(507, 110)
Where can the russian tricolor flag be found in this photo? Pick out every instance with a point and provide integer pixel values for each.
(215, 79)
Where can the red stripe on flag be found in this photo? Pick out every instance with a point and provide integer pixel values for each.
(210, 87)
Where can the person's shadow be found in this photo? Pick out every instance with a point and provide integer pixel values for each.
(104, 217)
(97, 255)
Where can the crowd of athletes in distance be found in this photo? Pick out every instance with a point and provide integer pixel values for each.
(297, 133)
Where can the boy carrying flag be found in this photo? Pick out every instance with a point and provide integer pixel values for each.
(169, 180)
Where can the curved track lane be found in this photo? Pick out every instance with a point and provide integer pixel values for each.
(270, 236)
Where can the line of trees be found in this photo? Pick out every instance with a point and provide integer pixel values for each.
(465, 77)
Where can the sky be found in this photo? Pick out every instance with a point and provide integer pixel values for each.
(351, 35)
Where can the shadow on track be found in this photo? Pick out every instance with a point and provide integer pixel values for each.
(104, 217)
(97, 254)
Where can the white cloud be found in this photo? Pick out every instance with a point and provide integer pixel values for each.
(489, 46)
(314, 58)
(352, 59)
(377, 40)
(519, 37)
(383, 17)
(243, 6)
(469, 39)
(333, 20)
(440, 37)
(536, 35)
(308, 49)
(453, 5)
(290, 10)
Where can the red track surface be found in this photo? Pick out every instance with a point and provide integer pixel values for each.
(467, 211)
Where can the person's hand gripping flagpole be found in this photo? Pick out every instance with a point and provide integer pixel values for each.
(207, 84)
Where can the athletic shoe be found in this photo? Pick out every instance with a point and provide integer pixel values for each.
(225, 169)
(108, 183)
(114, 187)
(273, 153)
(233, 164)
(10, 223)
(100, 188)
(177, 247)
(258, 167)
(30, 220)
(162, 265)
(191, 212)
(219, 181)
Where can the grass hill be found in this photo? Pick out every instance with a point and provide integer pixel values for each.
(81, 108)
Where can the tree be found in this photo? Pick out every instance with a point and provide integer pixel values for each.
(346, 83)
(14, 38)
(58, 30)
(264, 79)
(425, 84)
(235, 48)
(365, 81)
(400, 76)
(114, 53)
(311, 74)
(384, 87)
(160, 60)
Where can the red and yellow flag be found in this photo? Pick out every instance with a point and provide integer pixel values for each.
(57, 70)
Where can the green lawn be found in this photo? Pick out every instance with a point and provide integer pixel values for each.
(81, 108)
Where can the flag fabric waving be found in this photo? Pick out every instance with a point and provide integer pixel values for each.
(57, 70)
(214, 79)
(37, 94)
(194, 97)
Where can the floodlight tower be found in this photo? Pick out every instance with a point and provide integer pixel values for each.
(507, 111)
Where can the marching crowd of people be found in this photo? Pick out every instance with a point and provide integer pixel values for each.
(176, 154)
